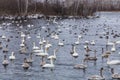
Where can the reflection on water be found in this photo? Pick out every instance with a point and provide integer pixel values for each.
(68, 30)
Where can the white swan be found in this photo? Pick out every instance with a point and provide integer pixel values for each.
(75, 54)
(28, 36)
(92, 42)
(39, 51)
(113, 62)
(45, 53)
(51, 65)
(12, 56)
(23, 35)
(55, 36)
(44, 41)
(113, 49)
(48, 45)
(38, 36)
(35, 47)
(54, 55)
(87, 42)
(40, 42)
(117, 42)
(78, 41)
(3, 37)
(54, 21)
(60, 43)
(22, 44)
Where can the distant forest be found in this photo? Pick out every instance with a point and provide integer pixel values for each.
(77, 8)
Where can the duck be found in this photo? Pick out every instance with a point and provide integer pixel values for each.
(60, 43)
(25, 65)
(115, 75)
(97, 77)
(49, 65)
(5, 61)
(12, 56)
(75, 54)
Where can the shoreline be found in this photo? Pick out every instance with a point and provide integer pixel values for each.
(41, 16)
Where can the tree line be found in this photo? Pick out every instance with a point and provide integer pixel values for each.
(55, 7)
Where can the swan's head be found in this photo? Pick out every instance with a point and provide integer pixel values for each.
(112, 70)
(101, 68)
(25, 60)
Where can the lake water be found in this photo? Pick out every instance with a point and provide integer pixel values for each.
(64, 63)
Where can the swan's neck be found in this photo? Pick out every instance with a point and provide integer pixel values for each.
(25, 61)
(30, 56)
(5, 58)
(101, 73)
(45, 50)
(41, 47)
(54, 53)
(74, 49)
(12, 53)
(33, 44)
(51, 61)
(78, 39)
(40, 40)
(114, 45)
